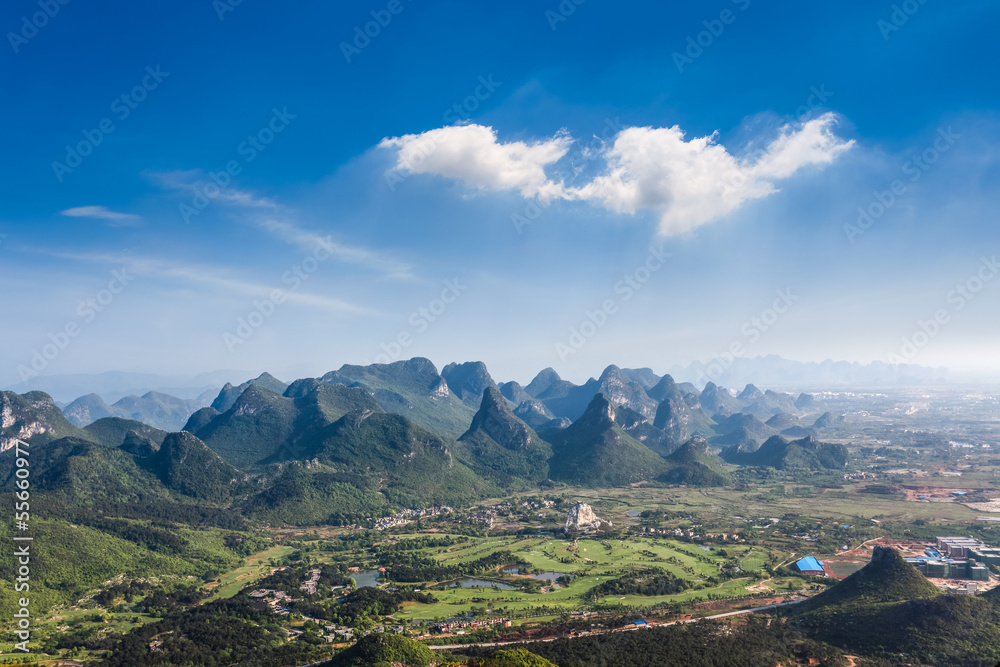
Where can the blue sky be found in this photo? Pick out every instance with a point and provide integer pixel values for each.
(529, 184)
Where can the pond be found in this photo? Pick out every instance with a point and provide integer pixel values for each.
(633, 513)
(540, 576)
(366, 578)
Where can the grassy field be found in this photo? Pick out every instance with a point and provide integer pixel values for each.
(589, 560)
(257, 565)
(719, 504)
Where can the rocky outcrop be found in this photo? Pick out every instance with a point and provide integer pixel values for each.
(581, 518)
(33, 416)
(440, 389)
(621, 390)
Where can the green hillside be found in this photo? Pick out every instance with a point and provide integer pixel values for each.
(694, 464)
(888, 608)
(414, 466)
(111, 431)
(253, 429)
(595, 451)
(412, 388)
(229, 393)
(512, 657)
(781, 454)
(309, 496)
(384, 650)
(186, 464)
(887, 578)
(500, 446)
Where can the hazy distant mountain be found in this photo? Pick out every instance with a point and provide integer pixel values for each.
(776, 371)
(716, 399)
(828, 420)
(770, 403)
(468, 381)
(781, 421)
(545, 380)
(807, 403)
(644, 376)
(514, 392)
(87, 409)
(160, 410)
(113, 385)
(571, 401)
(534, 413)
(748, 423)
(638, 427)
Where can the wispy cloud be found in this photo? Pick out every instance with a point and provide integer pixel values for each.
(101, 213)
(688, 183)
(194, 181)
(282, 222)
(291, 233)
(206, 276)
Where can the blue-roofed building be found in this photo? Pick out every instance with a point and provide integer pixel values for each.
(811, 566)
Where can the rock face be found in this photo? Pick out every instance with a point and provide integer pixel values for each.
(581, 517)
(32, 415)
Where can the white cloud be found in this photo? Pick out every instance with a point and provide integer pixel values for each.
(101, 213)
(813, 143)
(692, 183)
(688, 183)
(472, 154)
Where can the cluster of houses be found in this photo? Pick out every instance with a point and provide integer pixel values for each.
(342, 633)
(459, 626)
(277, 601)
(404, 517)
(487, 515)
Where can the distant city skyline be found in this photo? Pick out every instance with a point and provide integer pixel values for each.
(207, 186)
